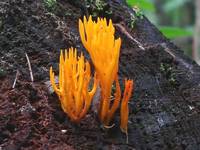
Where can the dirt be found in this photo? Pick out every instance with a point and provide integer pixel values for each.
(165, 107)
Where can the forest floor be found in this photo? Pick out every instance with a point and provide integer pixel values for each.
(165, 106)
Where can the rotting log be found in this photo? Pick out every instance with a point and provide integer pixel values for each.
(164, 110)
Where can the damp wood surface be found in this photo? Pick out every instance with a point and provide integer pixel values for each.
(165, 106)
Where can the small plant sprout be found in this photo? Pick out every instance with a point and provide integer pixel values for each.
(73, 86)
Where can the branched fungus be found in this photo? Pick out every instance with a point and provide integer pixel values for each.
(98, 38)
(73, 86)
(75, 76)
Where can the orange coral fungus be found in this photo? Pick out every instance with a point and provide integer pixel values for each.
(98, 38)
(124, 111)
(73, 86)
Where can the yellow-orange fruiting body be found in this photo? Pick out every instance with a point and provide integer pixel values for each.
(98, 38)
(124, 111)
(73, 86)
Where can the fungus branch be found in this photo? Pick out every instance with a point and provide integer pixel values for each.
(124, 110)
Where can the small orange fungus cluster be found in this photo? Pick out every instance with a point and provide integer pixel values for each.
(74, 79)
(74, 74)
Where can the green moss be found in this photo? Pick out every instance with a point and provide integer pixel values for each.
(134, 18)
(97, 8)
(168, 71)
(50, 5)
(132, 21)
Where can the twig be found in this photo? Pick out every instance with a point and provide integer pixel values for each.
(16, 77)
(109, 127)
(166, 49)
(126, 137)
(29, 66)
(129, 36)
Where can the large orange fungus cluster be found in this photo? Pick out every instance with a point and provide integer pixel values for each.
(74, 75)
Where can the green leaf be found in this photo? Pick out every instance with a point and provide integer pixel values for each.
(174, 32)
(174, 4)
(142, 4)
